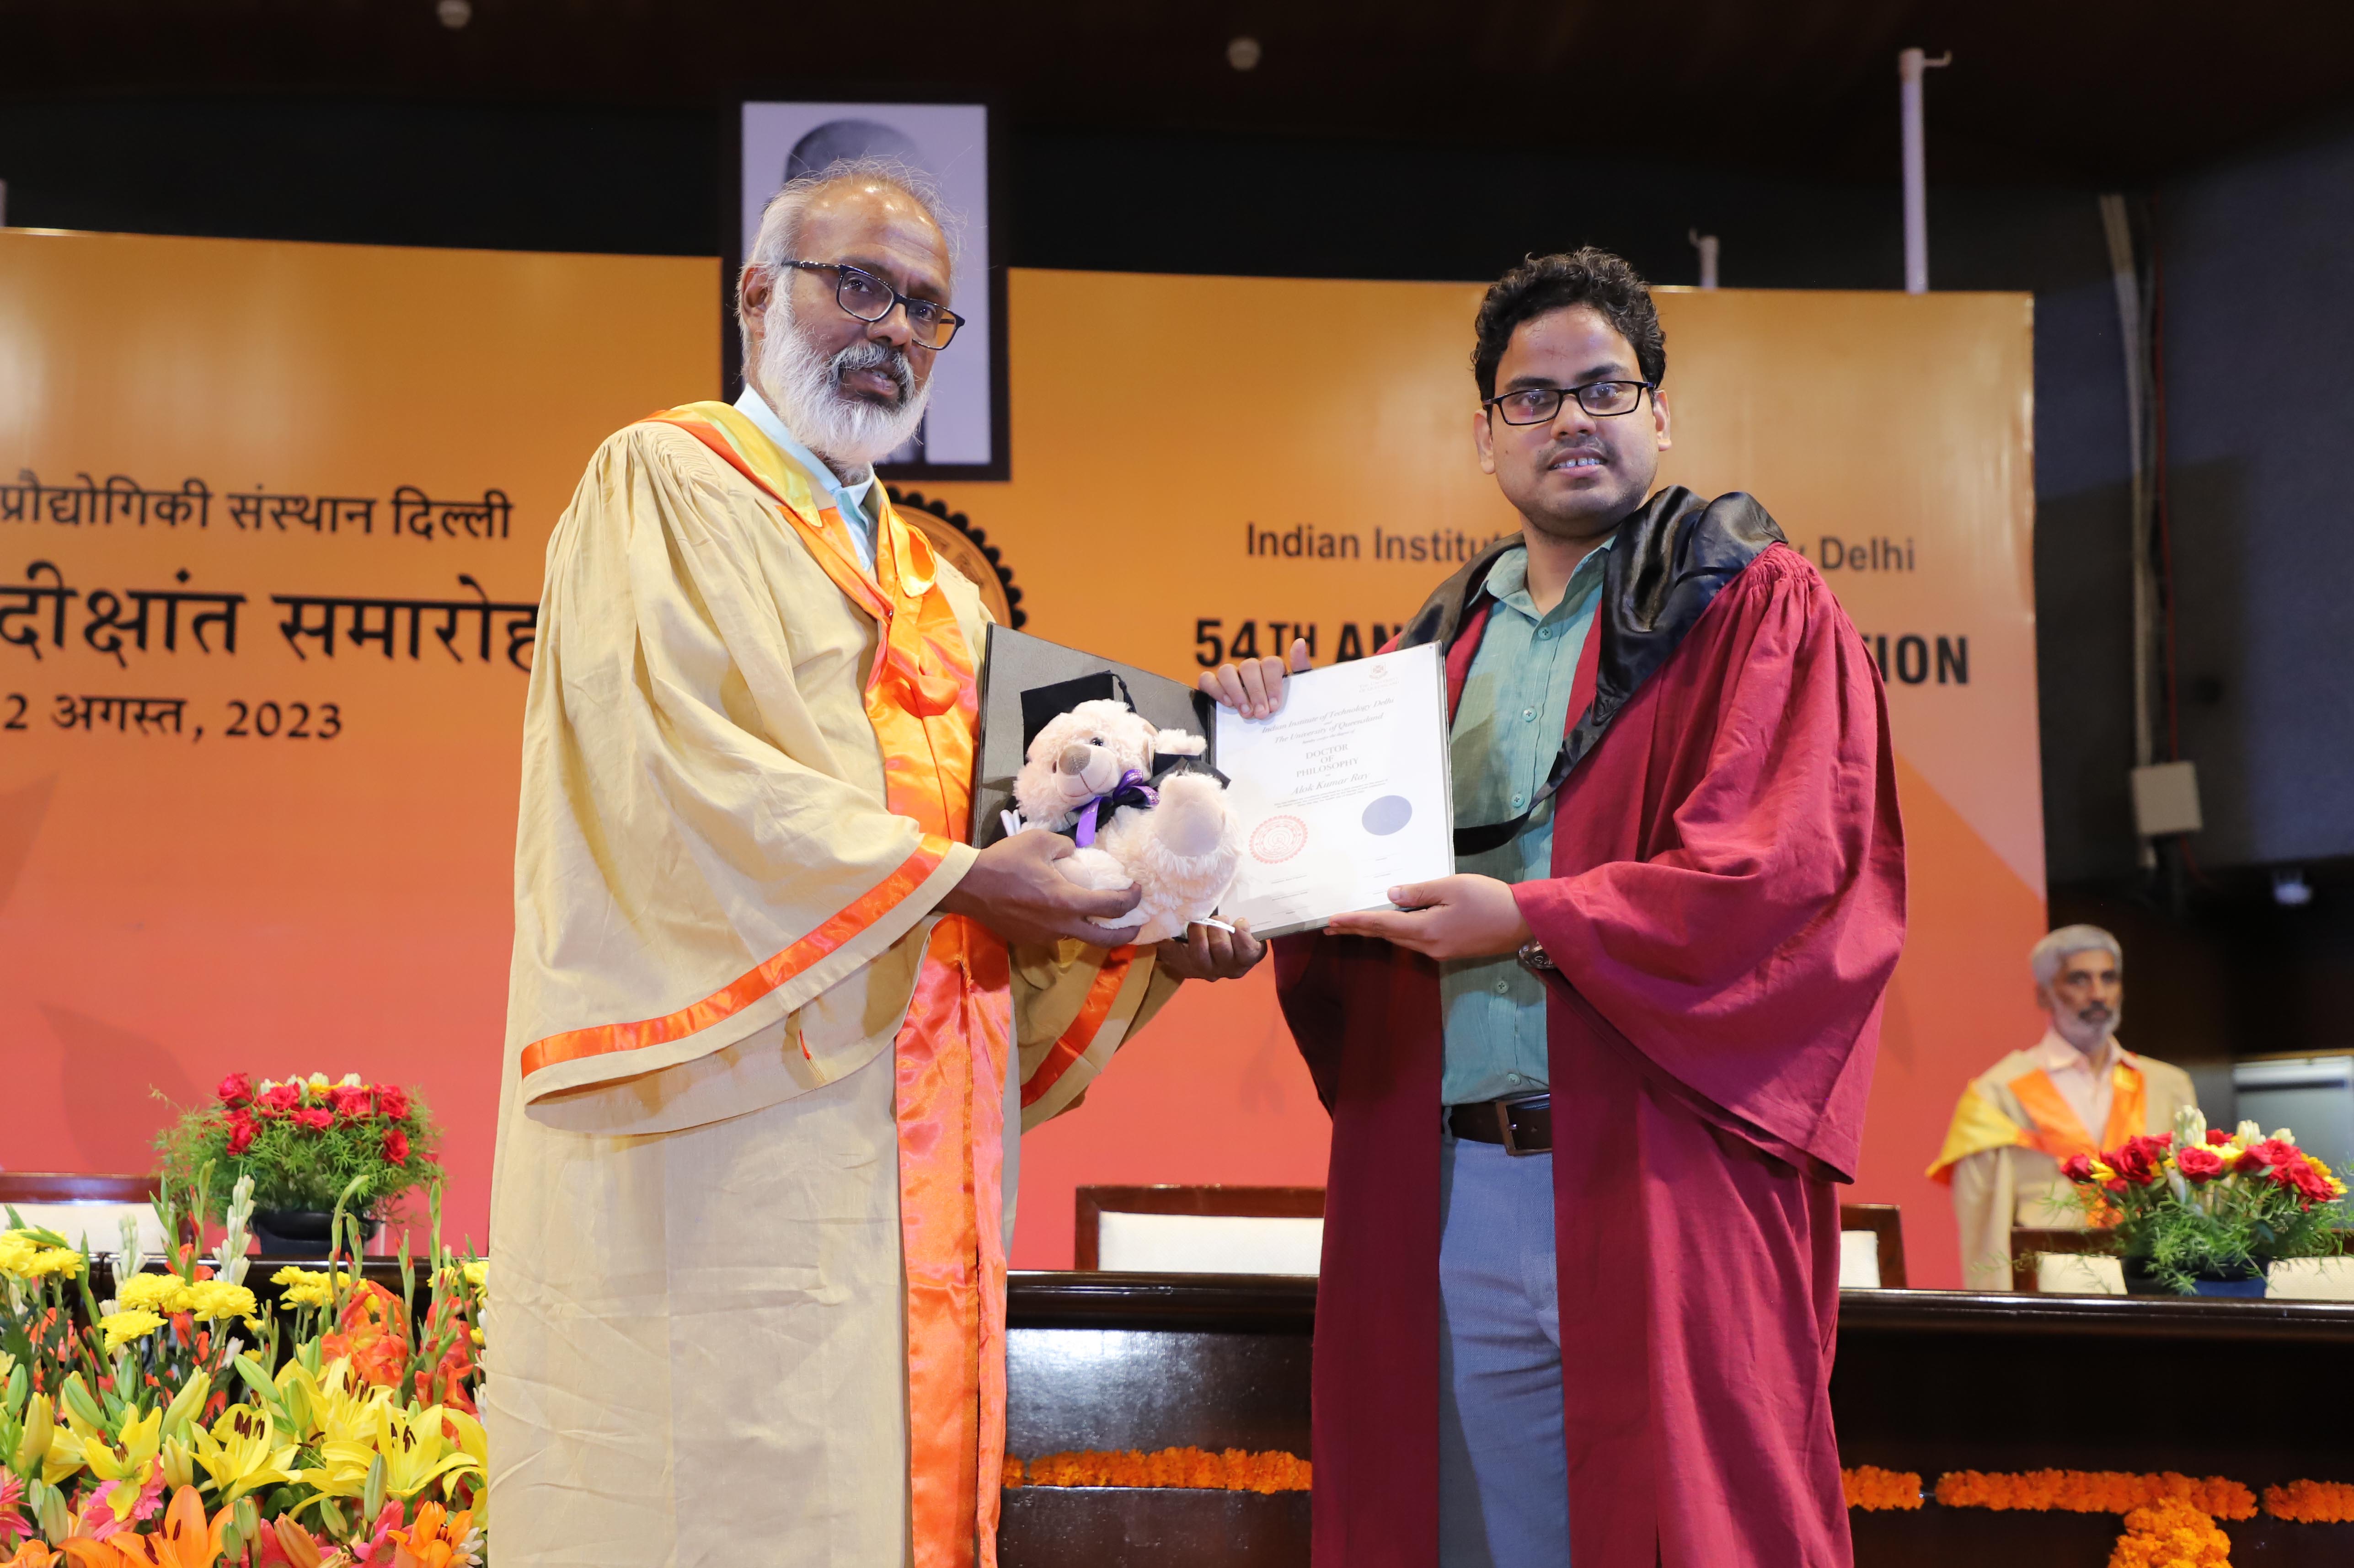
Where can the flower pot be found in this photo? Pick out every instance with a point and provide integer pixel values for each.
(294, 1233)
(2139, 1281)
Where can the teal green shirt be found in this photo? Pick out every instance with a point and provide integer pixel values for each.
(1508, 730)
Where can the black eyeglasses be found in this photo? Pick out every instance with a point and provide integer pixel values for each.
(870, 299)
(1537, 405)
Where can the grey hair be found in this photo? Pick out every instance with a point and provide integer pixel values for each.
(2048, 955)
(780, 219)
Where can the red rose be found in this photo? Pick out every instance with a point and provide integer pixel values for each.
(392, 1102)
(2135, 1162)
(2077, 1168)
(284, 1097)
(2311, 1182)
(2217, 1136)
(352, 1103)
(241, 1128)
(315, 1118)
(236, 1090)
(395, 1146)
(2271, 1152)
(2198, 1164)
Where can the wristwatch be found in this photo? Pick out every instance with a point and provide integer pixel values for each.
(1533, 958)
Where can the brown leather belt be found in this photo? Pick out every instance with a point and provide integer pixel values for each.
(1523, 1126)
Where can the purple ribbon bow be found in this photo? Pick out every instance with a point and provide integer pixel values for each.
(1131, 790)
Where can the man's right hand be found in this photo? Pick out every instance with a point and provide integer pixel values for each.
(1015, 889)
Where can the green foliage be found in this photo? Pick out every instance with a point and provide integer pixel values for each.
(2228, 1228)
(329, 1145)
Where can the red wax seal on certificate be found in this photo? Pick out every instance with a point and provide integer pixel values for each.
(1278, 840)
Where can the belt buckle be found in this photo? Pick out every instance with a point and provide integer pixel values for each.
(1504, 1124)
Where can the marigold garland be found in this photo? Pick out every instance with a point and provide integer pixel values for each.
(2170, 1533)
(2311, 1502)
(2093, 1491)
(1234, 1470)
(1872, 1488)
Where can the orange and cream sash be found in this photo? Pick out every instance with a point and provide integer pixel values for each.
(950, 1054)
(2057, 1129)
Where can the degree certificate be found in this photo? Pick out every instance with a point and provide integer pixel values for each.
(1343, 794)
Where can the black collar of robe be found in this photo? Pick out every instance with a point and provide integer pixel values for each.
(1670, 558)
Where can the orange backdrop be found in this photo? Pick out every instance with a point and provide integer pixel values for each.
(176, 904)
(1197, 463)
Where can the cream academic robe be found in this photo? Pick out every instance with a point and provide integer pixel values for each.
(1999, 1152)
(695, 1332)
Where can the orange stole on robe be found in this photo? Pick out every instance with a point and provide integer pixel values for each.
(2060, 1132)
(950, 1056)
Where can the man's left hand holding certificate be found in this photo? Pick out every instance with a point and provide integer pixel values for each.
(1454, 916)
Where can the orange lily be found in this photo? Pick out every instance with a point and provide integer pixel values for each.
(432, 1539)
(82, 1552)
(31, 1554)
(185, 1540)
(295, 1542)
(373, 1335)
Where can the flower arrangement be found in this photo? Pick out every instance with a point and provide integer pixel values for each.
(305, 1141)
(2202, 1203)
(1234, 1470)
(172, 1425)
(1872, 1489)
(2311, 1502)
(2170, 1533)
(2092, 1492)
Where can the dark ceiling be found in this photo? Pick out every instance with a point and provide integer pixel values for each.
(2066, 91)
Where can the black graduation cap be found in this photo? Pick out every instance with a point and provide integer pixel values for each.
(1042, 704)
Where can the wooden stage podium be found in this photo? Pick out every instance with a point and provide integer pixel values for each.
(1926, 1381)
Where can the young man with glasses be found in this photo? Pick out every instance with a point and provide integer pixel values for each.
(762, 1081)
(1592, 1094)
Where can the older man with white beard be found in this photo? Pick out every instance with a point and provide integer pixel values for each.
(2075, 1091)
(772, 1022)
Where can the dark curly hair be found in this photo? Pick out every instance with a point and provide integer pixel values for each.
(1543, 284)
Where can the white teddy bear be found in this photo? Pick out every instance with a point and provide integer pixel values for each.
(1089, 773)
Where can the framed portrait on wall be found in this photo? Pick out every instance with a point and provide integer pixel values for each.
(964, 431)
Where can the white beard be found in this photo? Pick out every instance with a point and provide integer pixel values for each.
(805, 390)
(2085, 1037)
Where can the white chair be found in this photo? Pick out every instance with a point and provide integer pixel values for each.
(1200, 1229)
(1872, 1247)
(88, 1211)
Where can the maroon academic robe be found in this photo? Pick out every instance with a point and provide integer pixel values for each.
(1725, 907)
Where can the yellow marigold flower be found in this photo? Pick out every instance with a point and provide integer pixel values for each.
(478, 1270)
(164, 1293)
(122, 1327)
(17, 1249)
(56, 1260)
(213, 1299)
(312, 1287)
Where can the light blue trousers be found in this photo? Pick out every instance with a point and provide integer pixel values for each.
(1504, 1478)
